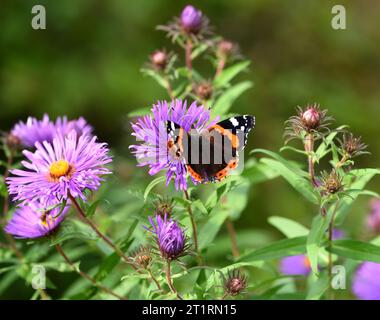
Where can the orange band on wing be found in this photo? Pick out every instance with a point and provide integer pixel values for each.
(194, 174)
(233, 137)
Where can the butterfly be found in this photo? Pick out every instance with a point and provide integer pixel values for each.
(210, 155)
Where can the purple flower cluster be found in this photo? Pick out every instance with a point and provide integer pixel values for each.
(152, 132)
(171, 239)
(66, 161)
(366, 282)
(64, 168)
(34, 130)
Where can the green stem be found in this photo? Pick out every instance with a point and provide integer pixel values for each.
(85, 275)
(169, 280)
(194, 226)
(232, 233)
(330, 236)
(100, 234)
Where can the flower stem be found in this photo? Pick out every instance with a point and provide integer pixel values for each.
(155, 280)
(330, 236)
(232, 233)
(169, 280)
(85, 275)
(194, 226)
(188, 49)
(100, 234)
(309, 148)
(220, 67)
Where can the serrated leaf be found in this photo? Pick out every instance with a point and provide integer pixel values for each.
(229, 73)
(288, 227)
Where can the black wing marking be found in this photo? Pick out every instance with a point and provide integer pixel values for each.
(236, 124)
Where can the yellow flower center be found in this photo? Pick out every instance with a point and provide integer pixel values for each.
(59, 169)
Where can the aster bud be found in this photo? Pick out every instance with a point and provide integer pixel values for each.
(332, 182)
(170, 238)
(226, 48)
(163, 206)
(235, 283)
(142, 257)
(311, 118)
(12, 141)
(204, 90)
(352, 146)
(191, 19)
(159, 59)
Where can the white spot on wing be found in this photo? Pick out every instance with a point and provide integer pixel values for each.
(234, 122)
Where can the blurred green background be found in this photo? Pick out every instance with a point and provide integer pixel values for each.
(87, 63)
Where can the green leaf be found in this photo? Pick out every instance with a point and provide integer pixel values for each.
(211, 228)
(92, 208)
(318, 287)
(202, 47)
(225, 101)
(151, 185)
(257, 172)
(323, 148)
(277, 250)
(356, 179)
(139, 112)
(156, 76)
(73, 229)
(356, 250)
(288, 227)
(299, 183)
(229, 73)
(314, 239)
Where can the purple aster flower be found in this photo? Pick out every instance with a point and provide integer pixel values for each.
(171, 239)
(295, 265)
(33, 130)
(151, 130)
(366, 283)
(34, 220)
(373, 219)
(191, 19)
(67, 166)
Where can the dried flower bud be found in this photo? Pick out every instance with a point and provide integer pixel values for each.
(163, 206)
(142, 257)
(352, 146)
(204, 90)
(159, 59)
(235, 283)
(332, 182)
(12, 141)
(191, 19)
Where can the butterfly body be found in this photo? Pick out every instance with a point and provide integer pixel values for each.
(210, 155)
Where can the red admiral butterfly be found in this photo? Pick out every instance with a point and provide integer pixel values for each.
(212, 153)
